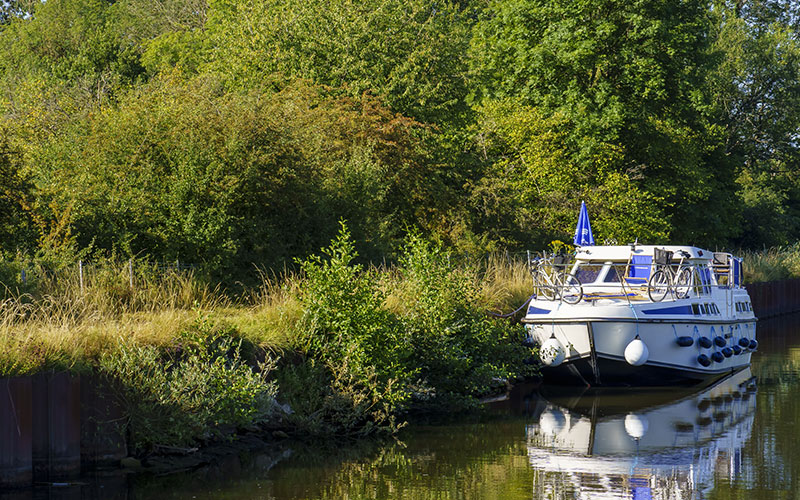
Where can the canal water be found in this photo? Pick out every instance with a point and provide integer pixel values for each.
(739, 439)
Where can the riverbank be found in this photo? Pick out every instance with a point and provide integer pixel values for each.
(339, 349)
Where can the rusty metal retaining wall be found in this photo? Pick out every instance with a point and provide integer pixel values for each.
(775, 297)
(51, 423)
(56, 425)
(15, 432)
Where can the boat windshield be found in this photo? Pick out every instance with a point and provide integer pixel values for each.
(595, 272)
(612, 276)
(588, 273)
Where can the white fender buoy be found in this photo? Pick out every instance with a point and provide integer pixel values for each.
(636, 425)
(552, 353)
(552, 421)
(636, 353)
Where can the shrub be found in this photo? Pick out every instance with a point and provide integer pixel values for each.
(190, 393)
(460, 352)
(346, 328)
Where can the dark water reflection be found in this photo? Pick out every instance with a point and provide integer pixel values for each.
(738, 439)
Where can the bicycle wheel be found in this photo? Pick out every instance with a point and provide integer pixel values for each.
(683, 283)
(571, 289)
(544, 288)
(658, 286)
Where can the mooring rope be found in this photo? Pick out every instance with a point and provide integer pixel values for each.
(512, 313)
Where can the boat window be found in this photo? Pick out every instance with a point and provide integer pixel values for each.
(587, 273)
(695, 309)
(612, 276)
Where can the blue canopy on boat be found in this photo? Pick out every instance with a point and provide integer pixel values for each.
(583, 231)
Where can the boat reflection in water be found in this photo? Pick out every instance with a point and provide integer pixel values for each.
(640, 445)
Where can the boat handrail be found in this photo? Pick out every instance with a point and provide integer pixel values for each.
(703, 281)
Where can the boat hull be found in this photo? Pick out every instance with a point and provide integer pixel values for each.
(595, 351)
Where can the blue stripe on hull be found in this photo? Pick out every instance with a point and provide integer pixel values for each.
(670, 310)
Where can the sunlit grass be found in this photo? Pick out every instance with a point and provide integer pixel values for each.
(63, 324)
(66, 324)
(771, 264)
(505, 283)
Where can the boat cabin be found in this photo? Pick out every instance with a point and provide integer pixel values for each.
(614, 270)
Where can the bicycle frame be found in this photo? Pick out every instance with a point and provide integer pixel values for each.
(554, 284)
(668, 280)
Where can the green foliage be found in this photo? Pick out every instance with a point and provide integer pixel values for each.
(370, 360)
(619, 84)
(16, 225)
(409, 53)
(71, 44)
(347, 329)
(756, 91)
(461, 352)
(330, 400)
(232, 133)
(540, 176)
(191, 393)
(184, 170)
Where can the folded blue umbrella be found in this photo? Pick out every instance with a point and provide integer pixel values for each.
(583, 231)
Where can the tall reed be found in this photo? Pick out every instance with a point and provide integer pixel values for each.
(771, 264)
(505, 283)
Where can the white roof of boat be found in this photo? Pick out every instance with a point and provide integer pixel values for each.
(624, 252)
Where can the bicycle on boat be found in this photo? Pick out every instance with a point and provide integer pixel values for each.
(668, 280)
(553, 282)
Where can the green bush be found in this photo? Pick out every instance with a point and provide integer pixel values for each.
(347, 329)
(378, 343)
(191, 393)
(461, 352)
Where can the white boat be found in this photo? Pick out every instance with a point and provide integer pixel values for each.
(594, 446)
(619, 317)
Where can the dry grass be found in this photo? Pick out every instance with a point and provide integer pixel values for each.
(772, 264)
(271, 315)
(66, 325)
(505, 283)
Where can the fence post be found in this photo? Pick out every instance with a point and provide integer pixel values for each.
(130, 271)
(80, 273)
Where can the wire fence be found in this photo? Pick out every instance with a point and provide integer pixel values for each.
(86, 272)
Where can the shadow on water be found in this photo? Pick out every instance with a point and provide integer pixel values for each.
(729, 440)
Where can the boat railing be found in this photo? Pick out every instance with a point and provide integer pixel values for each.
(559, 279)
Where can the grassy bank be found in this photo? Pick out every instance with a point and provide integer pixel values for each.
(771, 264)
(336, 347)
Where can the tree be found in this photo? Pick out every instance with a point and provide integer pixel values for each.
(531, 193)
(624, 75)
(756, 90)
(185, 169)
(411, 54)
(16, 228)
